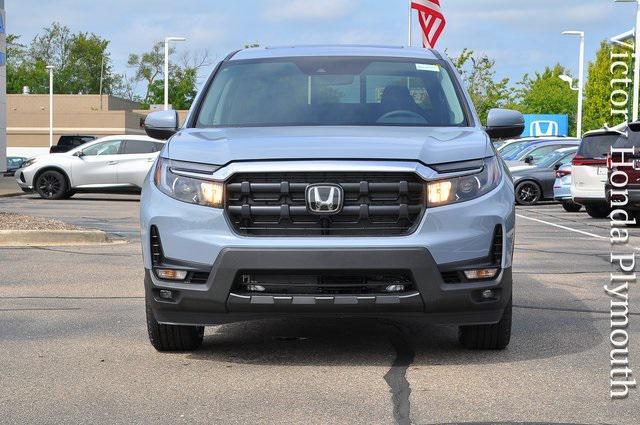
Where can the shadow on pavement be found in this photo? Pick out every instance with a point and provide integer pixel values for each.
(537, 333)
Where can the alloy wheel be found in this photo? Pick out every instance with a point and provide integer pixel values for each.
(49, 185)
(528, 193)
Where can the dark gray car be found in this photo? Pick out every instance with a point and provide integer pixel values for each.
(535, 183)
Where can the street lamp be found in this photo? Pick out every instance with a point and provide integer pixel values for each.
(50, 68)
(166, 68)
(636, 66)
(569, 80)
(580, 88)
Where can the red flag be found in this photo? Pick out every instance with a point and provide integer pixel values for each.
(431, 20)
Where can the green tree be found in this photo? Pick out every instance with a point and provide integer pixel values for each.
(21, 70)
(149, 66)
(77, 59)
(478, 73)
(182, 88)
(546, 93)
(600, 86)
(183, 76)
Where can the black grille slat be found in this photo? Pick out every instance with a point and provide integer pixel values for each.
(273, 204)
(322, 282)
(198, 277)
(496, 247)
(157, 255)
(451, 277)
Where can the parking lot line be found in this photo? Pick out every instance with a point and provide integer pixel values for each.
(593, 235)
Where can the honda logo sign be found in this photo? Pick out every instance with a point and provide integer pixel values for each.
(324, 198)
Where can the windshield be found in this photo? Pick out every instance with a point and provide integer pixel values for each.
(556, 156)
(332, 91)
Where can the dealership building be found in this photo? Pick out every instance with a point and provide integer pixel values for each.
(28, 119)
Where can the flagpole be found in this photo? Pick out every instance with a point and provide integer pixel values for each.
(410, 25)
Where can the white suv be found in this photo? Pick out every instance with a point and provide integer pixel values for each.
(589, 172)
(113, 162)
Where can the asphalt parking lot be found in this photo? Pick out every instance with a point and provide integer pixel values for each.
(74, 348)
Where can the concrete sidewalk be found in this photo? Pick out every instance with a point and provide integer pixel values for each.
(9, 187)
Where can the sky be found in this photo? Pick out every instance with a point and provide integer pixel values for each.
(522, 36)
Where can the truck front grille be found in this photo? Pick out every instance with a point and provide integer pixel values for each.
(273, 204)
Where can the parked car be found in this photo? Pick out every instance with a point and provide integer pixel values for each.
(68, 142)
(630, 139)
(13, 163)
(535, 183)
(279, 197)
(512, 145)
(589, 172)
(113, 162)
(533, 151)
(562, 189)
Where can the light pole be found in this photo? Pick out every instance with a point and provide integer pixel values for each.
(166, 68)
(580, 88)
(50, 68)
(636, 62)
(101, 78)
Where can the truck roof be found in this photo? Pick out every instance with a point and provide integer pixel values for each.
(336, 50)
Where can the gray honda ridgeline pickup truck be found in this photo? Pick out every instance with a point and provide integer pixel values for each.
(329, 181)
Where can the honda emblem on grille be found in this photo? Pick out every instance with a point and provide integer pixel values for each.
(324, 198)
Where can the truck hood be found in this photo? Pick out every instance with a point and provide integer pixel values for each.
(221, 146)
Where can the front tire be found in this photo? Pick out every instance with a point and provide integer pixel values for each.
(488, 337)
(528, 193)
(172, 337)
(570, 206)
(51, 185)
(598, 211)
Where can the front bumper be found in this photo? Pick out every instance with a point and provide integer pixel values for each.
(433, 300)
(24, 178)
(458, 234)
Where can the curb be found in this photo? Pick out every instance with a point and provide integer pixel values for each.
(52, 237)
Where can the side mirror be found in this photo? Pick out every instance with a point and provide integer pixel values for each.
(79, 154)
(504, 124)
(557, 166)
(528, 159)
(161, 125)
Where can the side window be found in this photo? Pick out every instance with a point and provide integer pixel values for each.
(157, 147)
(139, 147)
(112, 147)
(542, 151)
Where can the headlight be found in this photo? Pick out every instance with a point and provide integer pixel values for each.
(169, 179)
(464, 188)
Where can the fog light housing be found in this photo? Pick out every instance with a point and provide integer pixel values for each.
(487, 294)
(479, 274)
(165, 294)
(171, 274)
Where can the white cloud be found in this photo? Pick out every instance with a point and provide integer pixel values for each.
(278, 10)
